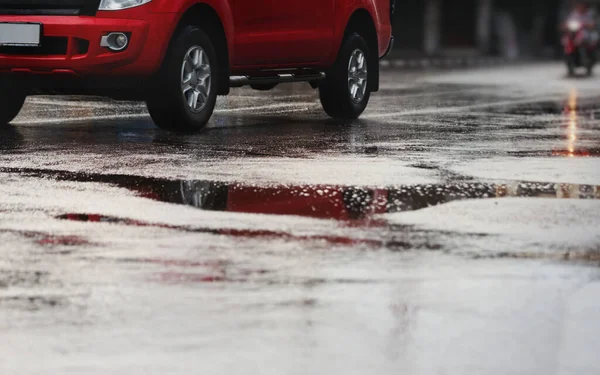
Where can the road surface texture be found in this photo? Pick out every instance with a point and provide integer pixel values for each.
(454, 229)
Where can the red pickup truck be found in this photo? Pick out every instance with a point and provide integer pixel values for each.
(178, 55)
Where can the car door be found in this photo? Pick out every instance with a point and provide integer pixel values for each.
(277, 32)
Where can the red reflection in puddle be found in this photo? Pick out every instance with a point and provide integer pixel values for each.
(326, 202)
(336, 240)
(63, 240)
(49, 239)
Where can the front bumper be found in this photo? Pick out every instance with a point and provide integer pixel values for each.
(81, 54)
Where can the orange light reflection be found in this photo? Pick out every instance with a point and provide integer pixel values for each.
(572, 129)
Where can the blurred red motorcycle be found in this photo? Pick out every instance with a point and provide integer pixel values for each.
(579, 49)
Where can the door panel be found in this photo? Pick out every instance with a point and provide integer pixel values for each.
(271, 32)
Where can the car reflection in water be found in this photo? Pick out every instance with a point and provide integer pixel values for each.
(347, 203)
(319, 201)
(357, 203)
(356, 206)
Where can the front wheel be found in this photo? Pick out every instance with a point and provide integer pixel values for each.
(345, 91)
(186, 94)
(11, 102)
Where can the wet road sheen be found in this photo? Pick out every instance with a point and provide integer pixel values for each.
(454, 229)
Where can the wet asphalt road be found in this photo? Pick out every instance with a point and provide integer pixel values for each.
(454, 229)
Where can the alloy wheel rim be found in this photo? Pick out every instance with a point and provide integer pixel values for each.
(357, 76)
(196, 78)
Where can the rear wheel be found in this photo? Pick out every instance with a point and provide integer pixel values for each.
(591, 61)
(345, 91)
(11, 102)
(186, 94)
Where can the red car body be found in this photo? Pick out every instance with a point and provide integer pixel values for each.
(261, 34)
(178, 55)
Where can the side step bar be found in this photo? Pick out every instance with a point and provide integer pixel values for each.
(240, 81)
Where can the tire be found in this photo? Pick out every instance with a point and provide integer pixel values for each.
(186, 107)
(336, 91)
(591, 63)
(11, 103)
(570, 61)
(210, 196)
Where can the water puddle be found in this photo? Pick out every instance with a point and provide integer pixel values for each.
(352, 204)
(357, 208)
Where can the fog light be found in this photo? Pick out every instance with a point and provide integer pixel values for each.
(115, 41)
(121, 41)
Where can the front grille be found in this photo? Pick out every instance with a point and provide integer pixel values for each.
(51, 45)
(50, 7)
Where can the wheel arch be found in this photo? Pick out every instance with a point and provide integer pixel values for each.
(362, 22)
(209, 19)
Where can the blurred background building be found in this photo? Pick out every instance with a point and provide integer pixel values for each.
(508, 28)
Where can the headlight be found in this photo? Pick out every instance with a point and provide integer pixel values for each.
(121, 4)
(574, 25)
